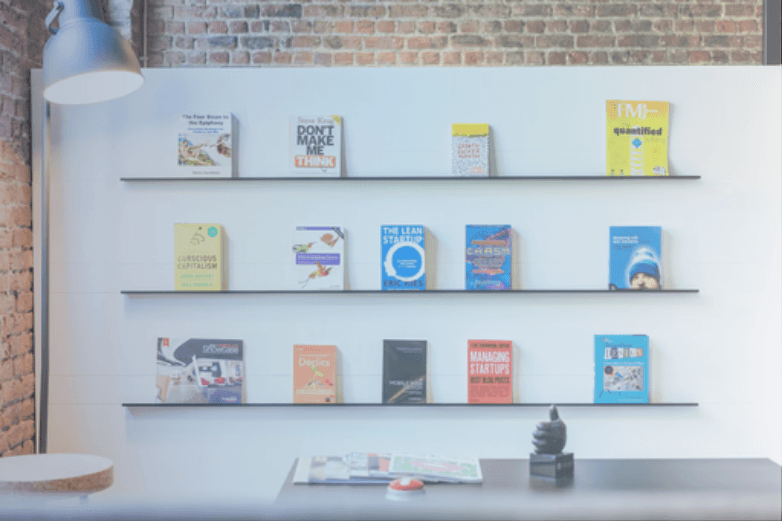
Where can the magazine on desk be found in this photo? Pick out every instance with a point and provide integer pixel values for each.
(365, 468)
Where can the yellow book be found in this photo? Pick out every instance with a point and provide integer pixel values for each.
(199, 257)
(636, 138)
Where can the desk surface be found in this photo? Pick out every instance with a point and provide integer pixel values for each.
(601, 489)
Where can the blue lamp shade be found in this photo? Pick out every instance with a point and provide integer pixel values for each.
(85, 60)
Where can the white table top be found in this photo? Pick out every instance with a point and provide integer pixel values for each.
(81, 473)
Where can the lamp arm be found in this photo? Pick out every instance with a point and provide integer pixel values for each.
(52, 16)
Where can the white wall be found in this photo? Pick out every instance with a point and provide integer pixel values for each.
(719, 347)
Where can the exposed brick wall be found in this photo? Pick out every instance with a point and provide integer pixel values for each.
(460, 33)
(22, 36)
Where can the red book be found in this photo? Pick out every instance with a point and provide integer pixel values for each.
(489, 371)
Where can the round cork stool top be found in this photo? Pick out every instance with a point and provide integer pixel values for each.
(60, 474)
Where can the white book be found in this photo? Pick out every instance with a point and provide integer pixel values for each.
(319, 258)
(315, 146)
(206, 145)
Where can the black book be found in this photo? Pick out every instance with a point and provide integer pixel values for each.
(404, 371)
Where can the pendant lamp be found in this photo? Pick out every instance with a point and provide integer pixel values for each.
(85, 60)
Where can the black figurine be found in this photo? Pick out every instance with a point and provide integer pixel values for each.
(548, 461)
(550, 437)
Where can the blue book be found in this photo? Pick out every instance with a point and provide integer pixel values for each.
(636, 257)
(488, 257)
(621, 369)
(403, 256)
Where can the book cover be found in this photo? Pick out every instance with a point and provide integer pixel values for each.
(470, 149)
(635, 260)
(637, 138)
(488, 257)
(403, 257)
(199, 257)
(621, 369)
(404, 371)
(489, 371)
(199, 370)
(314, 374)
(206, 145)
(432, 468)
(318, 257)
(316, 145)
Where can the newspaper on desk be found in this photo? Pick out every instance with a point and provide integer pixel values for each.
(380, 468)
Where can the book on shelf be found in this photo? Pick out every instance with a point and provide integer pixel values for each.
(489, 371)
(488, 257)
(403, 249)
(404, 371)
(206, 145)
(637, 138)
(199, 257)
(316, 146)
(318, 257)
(314, 374)
(470, 149)
(362, 468)
(635, 260)
(621, 369)
(200, 370)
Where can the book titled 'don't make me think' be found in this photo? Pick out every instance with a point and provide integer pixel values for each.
(316, 146)
(314, 374)
(205, 145)
(489, 371)
(199, 257)
(404, 371)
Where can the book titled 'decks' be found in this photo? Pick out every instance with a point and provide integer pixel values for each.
(199, 257)
(489, 371)
(314, 374)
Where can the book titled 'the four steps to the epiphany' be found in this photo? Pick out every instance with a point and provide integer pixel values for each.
(403, 257)
(315, 146)
(318, 257)
(198, 370)
(205, 145)
(199, 257)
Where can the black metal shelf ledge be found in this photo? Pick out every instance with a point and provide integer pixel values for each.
(291, 405)
(445, 178)
(377, 291)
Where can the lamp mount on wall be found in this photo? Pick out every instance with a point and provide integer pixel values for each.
(85, 60)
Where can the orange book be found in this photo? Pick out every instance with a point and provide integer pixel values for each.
(314, 374)
(489, 371)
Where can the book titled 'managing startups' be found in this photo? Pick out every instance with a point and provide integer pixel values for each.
(315, 146)
(403, 257)
(489, 371)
